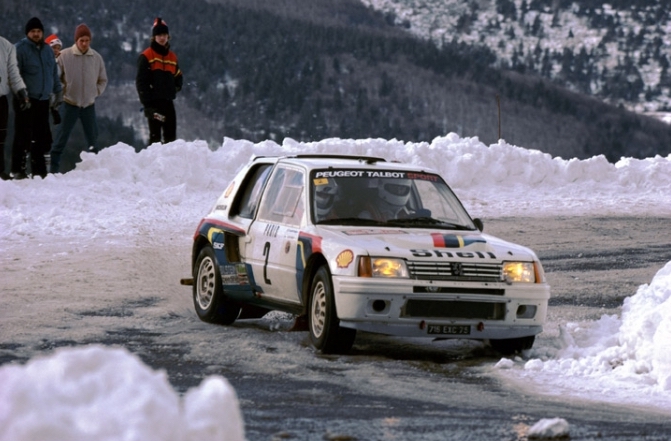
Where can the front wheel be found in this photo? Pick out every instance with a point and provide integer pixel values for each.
(325, 331)
(509, 346)
(208, 294)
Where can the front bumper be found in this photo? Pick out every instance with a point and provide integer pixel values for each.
(409, 308)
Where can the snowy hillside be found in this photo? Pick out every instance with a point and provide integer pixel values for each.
(620, 54)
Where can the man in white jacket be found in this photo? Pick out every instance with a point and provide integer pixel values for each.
(84, 79)
(10, 81)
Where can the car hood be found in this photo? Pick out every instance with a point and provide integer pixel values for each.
(409, 243)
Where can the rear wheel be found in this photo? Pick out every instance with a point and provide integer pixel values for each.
(208, 295)
(325, 331)
(509, 346)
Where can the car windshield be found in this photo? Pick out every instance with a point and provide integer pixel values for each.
(399, 198)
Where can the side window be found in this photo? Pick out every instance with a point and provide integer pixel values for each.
(284, 201)
(247, 201)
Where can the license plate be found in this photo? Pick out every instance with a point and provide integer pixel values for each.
(448, 329)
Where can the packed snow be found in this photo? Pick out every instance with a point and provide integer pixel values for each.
(118, 194)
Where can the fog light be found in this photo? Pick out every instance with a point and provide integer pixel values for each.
(526, 311)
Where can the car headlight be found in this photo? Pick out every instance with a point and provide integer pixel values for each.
(382, 267)
(524, 272)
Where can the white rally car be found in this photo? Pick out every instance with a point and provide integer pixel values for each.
(359, 243)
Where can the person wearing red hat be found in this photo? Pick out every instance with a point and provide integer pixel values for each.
(55, 43)
(84, 78)
(158, 80)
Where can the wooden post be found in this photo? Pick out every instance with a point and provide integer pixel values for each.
(498, 105)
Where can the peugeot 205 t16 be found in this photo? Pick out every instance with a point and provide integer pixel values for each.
(362, 244)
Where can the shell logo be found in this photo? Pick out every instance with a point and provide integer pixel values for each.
(345, 258)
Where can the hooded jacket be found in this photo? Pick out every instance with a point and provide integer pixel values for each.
(10, 77)
(38, 69)
(83, 75)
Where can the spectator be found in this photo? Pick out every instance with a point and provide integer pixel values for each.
(32, 133)
(84, 79)
(158, 80)
(10, 80)
(56, 45)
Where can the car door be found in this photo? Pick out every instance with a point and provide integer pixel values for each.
(272, 241)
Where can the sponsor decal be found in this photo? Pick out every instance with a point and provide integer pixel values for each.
(322, 175)
(462, 254)
(454, 240)
(423, 177)
(211, 232)
(359, 174)
(271, 230)
(345, 258)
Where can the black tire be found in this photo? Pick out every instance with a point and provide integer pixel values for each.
(325, 331)
(510, 346)
(208, 294)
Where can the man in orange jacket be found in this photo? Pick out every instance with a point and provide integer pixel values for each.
(158, 80)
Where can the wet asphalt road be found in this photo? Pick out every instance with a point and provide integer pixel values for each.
(385, 389)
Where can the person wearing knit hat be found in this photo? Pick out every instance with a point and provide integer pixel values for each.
(55, 43)
(39, 71)
(158, 80)
(34, 23)
(82, 31)
(160, 27)
(84, 78)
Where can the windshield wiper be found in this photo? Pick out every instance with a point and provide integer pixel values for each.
(350, 221)
(427, 221)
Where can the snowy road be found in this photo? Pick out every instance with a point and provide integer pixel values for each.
(68, 292)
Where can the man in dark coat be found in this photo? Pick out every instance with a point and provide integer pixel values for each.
(39, 71)
(158, 80)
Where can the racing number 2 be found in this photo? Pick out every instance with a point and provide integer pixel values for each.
(266, 253)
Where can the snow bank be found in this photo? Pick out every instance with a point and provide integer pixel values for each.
(100, 393)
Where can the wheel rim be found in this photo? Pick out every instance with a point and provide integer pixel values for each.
(205, 283)
(318, 310)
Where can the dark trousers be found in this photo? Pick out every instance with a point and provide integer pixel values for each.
(69, 116)
(31, 134)
(168, 126)
(4, 115)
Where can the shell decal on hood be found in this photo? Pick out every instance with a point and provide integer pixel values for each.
(454, 240)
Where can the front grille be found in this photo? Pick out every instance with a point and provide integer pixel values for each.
(454, 310)
(456, 271)
(460, 290)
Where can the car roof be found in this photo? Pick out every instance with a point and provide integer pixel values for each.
(321, 161)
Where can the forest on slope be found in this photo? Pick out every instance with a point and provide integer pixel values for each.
(313, 69)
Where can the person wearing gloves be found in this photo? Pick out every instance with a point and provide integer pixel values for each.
(157, 81)
(84, 79)
(32, 133)
(10, 81)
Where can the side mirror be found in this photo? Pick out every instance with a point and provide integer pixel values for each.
(478, 223)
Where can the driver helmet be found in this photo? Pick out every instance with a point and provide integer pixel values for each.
(325, 196)
(394, 191)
